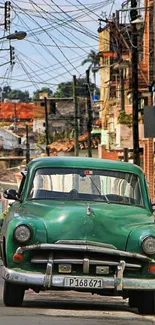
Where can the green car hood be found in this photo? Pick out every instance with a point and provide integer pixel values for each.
(95, 221)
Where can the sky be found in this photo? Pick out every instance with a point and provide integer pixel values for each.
(60, 35)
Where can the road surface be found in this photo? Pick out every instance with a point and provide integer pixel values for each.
(70, 308)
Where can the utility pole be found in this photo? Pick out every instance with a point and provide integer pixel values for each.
(122, 88)
(46, 127)
(7, 10)
(126, 154)
(135, 100)
(15, 117)
(76, 147)
(120, 60)
(121, 77)
(89, 114)
(27, 145)
(153, 95)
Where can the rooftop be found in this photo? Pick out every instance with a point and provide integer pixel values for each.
(67, 145)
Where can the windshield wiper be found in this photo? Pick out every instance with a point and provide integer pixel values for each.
(97, 188)
(106, 198)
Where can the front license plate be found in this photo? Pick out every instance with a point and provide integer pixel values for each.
(83, 283)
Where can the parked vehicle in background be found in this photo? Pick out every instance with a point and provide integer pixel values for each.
(80, 224)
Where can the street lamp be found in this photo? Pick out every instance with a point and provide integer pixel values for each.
(14, 36)
(139, 22)
(17, 36)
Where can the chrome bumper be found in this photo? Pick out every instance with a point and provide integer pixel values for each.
(48, 281)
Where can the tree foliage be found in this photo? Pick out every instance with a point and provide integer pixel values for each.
(23, 96)
(65, 89)
(7, 92)
(93, 60)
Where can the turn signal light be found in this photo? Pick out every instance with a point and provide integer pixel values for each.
(18, 257)
(151, 268)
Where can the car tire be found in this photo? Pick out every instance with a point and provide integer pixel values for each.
(13, 294)
(146, 303)
(133, 299)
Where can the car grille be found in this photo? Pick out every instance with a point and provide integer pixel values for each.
(85, 261)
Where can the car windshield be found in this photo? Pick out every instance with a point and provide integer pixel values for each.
(86, 184)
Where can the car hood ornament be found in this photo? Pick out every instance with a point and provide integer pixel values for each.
(89, 210)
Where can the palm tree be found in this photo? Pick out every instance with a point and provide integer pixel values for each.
(94, 60)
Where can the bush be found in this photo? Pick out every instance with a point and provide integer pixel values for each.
(124, 118)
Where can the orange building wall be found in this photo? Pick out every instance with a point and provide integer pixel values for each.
(12, 110)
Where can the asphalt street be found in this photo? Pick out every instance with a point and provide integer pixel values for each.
(70, 308)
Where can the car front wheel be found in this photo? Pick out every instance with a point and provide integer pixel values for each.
(133, 299)
(146, 302)
(13, 294)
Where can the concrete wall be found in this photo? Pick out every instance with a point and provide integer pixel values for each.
(82, 153)
(8, 140)
(124, 135)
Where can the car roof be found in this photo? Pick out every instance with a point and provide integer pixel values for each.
(84, 162)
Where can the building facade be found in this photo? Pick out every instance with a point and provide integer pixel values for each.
(115, 47)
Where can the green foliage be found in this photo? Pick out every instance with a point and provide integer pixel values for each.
(93, 60)
(4, 123)
(9, 93)
(23, 96)
(54, 136)
(41, 138)
(4, 213)
(125, 118)
(6, 90)
(65, 89)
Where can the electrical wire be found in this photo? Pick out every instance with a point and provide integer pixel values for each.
(67, 15)
(60, 48)
(52, 53)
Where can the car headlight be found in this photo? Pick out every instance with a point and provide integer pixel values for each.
(22, 233)
(148, 245)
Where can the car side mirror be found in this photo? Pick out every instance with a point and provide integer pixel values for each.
(10, 194)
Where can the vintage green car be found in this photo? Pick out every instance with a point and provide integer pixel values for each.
(81, 224)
